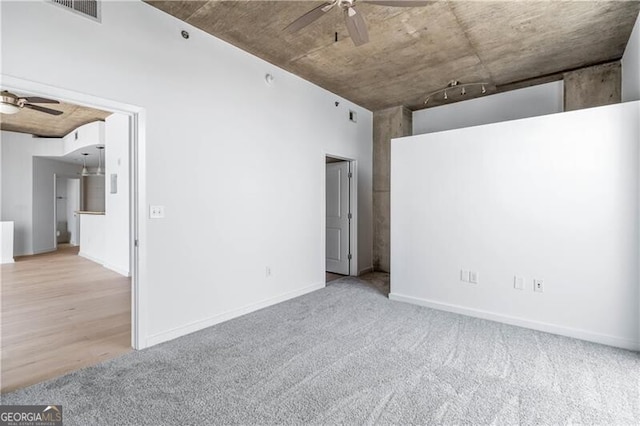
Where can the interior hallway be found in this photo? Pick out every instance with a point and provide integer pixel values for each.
(60, 313)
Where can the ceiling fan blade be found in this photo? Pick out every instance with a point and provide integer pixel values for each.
(356, 26)
(309, 17)
(397, 3)
(43, 109)
(39, 100)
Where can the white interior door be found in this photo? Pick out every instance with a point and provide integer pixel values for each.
(337, 240)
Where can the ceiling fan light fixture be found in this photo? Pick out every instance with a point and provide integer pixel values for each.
(6, 108)
(356, 25)
(10, 103)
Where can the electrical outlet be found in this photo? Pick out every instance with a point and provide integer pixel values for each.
(267, 272)
(518, 283)
(156, 212)
(464, 275)
(474, 278)
(538, 285)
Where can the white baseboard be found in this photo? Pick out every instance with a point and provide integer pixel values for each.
(89, 257)
(105, 265)
(117, 269)
(619, 342)
(365, 270)
(226, 316)
(9, 260)
(47, 250)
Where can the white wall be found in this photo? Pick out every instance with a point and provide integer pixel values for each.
(17, 187)
(93, 237)
(43, 219)
(87, 135)
(239, 166)
(522, 103)
(116, 254)
(6, 242)
(16, 168)
(553, 197)
(631, 66)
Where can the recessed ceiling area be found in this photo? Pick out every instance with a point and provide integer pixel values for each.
(414, 51)
(51, 126)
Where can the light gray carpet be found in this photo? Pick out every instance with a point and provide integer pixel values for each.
(346, 354)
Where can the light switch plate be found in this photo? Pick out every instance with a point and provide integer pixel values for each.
(464, 275)
(114, 183)
(473, 277)
(518, 283)
(156, 212)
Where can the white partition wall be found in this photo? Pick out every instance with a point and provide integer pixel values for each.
(631, 66)
(531, 101)
(6, 242)
(551, 198)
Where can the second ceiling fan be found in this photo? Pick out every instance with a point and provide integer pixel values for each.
(356, 25)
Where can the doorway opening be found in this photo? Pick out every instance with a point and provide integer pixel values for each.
(340, 218)
(78, 245)
(66, 218)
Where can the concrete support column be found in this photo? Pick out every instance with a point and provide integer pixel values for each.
(387, 124)
(593, 86)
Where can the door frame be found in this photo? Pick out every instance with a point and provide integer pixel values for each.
(353, 202)
(137, 186)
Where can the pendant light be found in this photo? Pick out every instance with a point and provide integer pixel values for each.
(100, 172)
(84, 172)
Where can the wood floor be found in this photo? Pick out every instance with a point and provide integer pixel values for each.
(60, 312)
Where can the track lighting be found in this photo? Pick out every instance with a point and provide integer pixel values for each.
(452, 84)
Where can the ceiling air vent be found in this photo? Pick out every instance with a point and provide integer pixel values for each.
(87, 8)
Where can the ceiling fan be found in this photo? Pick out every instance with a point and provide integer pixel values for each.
(356, 25)
(10, 103)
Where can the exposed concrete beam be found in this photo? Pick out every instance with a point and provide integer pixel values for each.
(593, 86)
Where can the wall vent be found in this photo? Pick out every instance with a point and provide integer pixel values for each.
(87, 8)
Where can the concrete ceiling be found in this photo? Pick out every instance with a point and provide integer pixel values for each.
(46, 125)
(414, 51)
